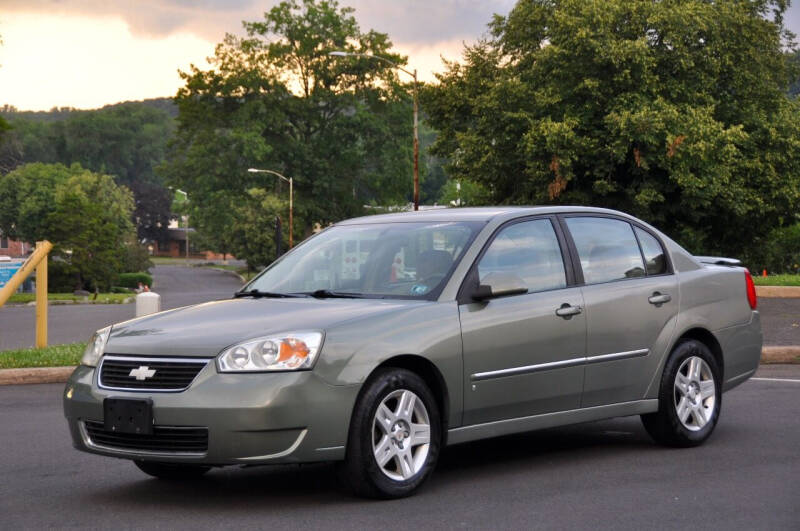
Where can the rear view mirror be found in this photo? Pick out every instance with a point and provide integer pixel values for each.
(499, 284)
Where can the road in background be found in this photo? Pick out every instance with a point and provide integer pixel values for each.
(598, 475)
(780, 319)
(177, 285)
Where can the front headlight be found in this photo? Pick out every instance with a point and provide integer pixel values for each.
(95, 347)
(283, 352)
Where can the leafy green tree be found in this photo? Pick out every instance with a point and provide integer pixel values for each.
(675, 111)
(86, 216)
(126, 140)
(275, 99)
(463, 193)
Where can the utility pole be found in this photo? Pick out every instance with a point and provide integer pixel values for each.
(416, 111)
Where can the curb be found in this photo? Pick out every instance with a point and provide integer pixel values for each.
(240, 277)
(778, 292)
(781, 354)
(42, 375)
(37, 375)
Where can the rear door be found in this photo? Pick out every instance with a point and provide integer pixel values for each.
(520, 358)
(631, 299)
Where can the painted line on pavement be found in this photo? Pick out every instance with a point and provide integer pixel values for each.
(775, 380)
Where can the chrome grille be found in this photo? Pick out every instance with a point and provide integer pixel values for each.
(136, 373)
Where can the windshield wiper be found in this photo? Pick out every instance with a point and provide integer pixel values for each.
(258, 293)
(328, 294)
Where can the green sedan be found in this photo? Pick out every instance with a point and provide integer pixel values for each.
(381, 340)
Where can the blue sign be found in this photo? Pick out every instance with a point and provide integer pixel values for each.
(7, 271)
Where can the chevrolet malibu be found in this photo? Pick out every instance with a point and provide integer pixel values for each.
(383, 339)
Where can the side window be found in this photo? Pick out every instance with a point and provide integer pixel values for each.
(607, 249)
(531, 251)
(655, 261)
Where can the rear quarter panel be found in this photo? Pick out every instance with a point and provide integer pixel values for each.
(714, 298)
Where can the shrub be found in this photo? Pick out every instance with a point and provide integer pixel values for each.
(120, 289)
(62, 277)
(131, 280)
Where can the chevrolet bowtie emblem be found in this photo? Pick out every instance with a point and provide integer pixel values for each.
(142, 373)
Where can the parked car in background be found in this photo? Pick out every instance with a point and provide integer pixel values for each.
(383, 339)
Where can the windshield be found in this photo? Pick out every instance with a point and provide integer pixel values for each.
(399, 260)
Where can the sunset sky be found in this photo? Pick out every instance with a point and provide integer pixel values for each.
(88, 53)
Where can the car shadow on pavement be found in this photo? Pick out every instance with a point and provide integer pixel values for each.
(280, 487)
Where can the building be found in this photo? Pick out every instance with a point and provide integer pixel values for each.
(14, 248)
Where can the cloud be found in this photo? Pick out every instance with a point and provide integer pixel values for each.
(417, 21)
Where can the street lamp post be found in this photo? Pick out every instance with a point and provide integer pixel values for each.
(186, 229)
(413, 74)
(289, 180)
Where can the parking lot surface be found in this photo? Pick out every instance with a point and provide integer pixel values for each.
(600, 475)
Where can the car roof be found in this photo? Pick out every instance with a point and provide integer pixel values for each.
(484, 214)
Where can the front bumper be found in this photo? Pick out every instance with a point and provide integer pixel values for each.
(288, 417)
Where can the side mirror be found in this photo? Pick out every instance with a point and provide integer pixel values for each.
(498, 284)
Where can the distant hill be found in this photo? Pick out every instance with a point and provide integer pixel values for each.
(60, 113)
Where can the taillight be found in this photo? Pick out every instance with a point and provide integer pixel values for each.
(751, 290)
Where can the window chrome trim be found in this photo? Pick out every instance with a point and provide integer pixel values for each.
(87, 440)
(114, 357)
(573, 362)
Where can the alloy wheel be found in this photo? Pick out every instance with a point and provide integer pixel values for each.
(695, 393)
(401, 435)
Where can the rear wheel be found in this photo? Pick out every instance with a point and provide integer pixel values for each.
(689, 398)
(171, 471)
(394, 437)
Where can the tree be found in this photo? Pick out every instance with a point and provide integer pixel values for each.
(126, 141)
(275, 99)
(674, 111)
(85, 215)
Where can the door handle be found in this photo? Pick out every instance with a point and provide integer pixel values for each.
(566, 311)
(659, 298)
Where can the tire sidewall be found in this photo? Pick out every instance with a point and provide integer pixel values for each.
(683, 351)
(380, 386)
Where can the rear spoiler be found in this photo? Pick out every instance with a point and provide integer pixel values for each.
(718, 260)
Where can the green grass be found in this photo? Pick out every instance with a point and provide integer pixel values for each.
(777, 280)
(102, 298)
(54, 356)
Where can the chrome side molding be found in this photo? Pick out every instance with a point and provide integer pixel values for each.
(573, 362)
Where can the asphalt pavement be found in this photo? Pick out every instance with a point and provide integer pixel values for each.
(599, 475)
(177, 285)
(780, 320)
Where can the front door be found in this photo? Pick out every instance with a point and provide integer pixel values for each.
(520, 357)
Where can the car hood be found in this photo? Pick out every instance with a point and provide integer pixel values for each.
(205, 329)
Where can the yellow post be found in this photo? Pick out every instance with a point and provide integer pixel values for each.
(42, 248)
(41, 299)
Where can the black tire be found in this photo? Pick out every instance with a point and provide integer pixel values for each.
(360, 472)
(171, 471)
(664, 426)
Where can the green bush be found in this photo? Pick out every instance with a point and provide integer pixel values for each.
(779, 252)
(120, 289)
(136, 257)
(62, 277)
(131, 280)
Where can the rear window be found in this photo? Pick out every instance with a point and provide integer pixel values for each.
(654, 258)
(607, 249)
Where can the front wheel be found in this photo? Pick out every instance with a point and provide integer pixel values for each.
(689, 398)
(171, 471)
(394, 437)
